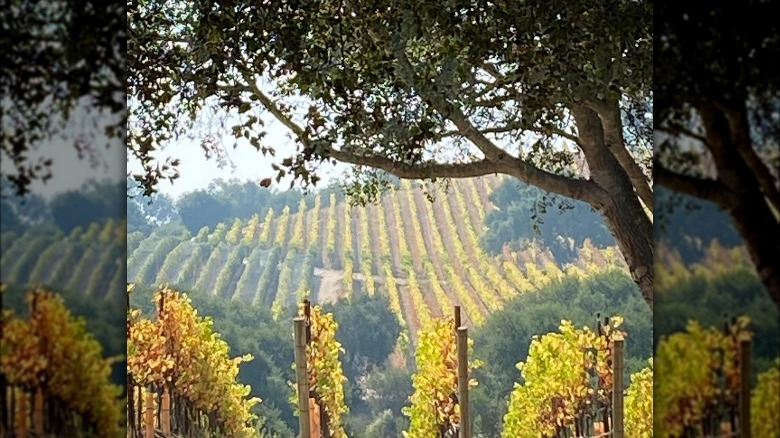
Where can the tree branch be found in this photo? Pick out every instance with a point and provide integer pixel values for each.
(424, 170)
(583, 190)
(271, 106)
(676, 131)
(708, 189)
(518, 126)
(738, 124)
(609, 113)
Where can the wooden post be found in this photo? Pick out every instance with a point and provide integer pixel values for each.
(617, 386)
(21, 428)
(744, 386)
(38, 411)
(314, 418)
(463, 382)
(165, 418)
(302, 377)
(457, 318)
(149, 423)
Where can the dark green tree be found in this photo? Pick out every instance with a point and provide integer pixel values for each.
(368, 330)
(523, 213)
(200, 209)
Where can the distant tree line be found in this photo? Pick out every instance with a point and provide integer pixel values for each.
(524, 213)
(221, 201)
(94, 202)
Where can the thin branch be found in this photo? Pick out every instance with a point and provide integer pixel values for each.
(517, 126)
(274, 109)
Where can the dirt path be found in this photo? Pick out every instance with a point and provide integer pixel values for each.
(330, 285)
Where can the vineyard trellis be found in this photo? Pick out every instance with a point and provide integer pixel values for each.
(727, 414)
(157, 409)
(40, 394)
(180, 379)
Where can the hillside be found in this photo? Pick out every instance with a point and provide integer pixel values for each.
(88, 261)
(426, 257)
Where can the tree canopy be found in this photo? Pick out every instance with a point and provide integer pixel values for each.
(58, 57)
(556, 94)
(718, 131)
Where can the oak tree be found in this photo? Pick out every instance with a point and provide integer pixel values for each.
(556, 94)
(718, 102)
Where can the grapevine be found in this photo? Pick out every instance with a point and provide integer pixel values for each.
(765, 403)
(52, 350)
(557, 389)
(326, 378)
(435, 382)
(701, 376)
(265, 231)
(639, 404)
(180, 350)
(281, 226)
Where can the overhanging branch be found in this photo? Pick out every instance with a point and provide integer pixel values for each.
(424, 170)
(707, 189)
(498, 161)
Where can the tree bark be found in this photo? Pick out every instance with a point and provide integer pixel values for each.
(749, 208)
(739, 189)
(619, 203)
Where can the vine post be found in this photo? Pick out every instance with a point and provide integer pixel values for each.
(744, 385)
(166, 412)
(463, 381)
(617, 386)
(150, 414)
(39, 420)
(302, 377)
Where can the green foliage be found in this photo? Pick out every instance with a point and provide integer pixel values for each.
(765, 403)
(718, 287)
(557, 387)
(505, 337)
(638, 407)
(368, 330)
(522, 214)
(92, 203)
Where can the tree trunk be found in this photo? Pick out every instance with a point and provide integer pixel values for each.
(746, 204)
(633, 232)
(756, 224)
(617, 201)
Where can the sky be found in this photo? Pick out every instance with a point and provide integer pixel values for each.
(68, 171)
(197, 172)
